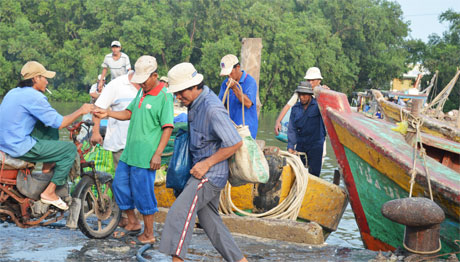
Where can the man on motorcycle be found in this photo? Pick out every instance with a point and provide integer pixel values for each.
(21, 138)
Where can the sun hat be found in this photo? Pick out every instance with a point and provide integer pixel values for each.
(227, 63)
(304, 87)
(143, 68)
(115, 43)
(33, 68)
(183, 76)
(313, 73)
(164, 79)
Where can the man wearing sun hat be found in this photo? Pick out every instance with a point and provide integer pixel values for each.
(117, 62)
(151, 116)
(213, 139)
(306, 131)
(314, 77)
(29, 129)
(230, 67)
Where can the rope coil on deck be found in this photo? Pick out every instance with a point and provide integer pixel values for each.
(289, 208)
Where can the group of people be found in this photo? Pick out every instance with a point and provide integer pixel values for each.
(140, 110)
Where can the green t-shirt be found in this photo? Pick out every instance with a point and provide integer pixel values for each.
(151, 112)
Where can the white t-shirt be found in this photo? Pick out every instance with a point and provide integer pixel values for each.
(117, 68)
(293, 99)
(117, 95)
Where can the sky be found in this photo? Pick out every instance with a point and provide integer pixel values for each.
(424, 16)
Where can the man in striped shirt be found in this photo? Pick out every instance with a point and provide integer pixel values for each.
(213, 139)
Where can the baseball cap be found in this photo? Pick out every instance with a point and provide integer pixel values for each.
(313, 73)
(227, 63)
(115, 43)
(183, 76)
(143, 68)
(33, 68)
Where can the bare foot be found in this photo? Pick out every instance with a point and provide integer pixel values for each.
(146, 239)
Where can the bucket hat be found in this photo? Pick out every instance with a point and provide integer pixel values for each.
(34, 68)
(226, 64)
(143, 68)
(313, 73)
(183, 76)
(305, 88)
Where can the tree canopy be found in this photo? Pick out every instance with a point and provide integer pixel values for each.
(357, 44)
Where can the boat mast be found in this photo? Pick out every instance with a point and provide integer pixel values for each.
(441, 98)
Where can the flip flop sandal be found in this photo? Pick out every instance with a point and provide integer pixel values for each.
(135, 241)
(57, 203)
(121, 232)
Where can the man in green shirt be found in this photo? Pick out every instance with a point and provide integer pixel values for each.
(151, 116)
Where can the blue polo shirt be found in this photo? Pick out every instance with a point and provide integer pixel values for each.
(248, 83)
(19, 111)
(210, 129)
(306, 128)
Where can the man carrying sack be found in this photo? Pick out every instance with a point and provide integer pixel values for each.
(247, 94)
(213, 139)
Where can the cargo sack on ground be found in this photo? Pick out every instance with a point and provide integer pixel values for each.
(181, 162)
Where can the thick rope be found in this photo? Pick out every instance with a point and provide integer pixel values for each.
(289, 208)
(416, 123)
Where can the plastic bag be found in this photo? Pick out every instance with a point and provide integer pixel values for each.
(103, 160)
(181, 162)
(248, 164)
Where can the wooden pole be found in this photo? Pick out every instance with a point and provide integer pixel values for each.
(251, 53)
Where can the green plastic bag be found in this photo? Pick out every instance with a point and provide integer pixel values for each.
(103, 160)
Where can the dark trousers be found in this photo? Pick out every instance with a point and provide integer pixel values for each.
(315, 158)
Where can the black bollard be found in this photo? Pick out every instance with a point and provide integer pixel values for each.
(422, 218)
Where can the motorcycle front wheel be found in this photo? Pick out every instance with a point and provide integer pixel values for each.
(97, 219)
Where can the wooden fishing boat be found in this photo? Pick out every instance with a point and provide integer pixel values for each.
(323, 202)
(442, 141)
(376, 163)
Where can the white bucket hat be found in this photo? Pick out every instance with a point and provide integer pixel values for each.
(183, 76)
(143, 68)
(313, 73)
(227, 63)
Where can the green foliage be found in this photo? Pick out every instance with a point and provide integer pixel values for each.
(356, 43)
(441, 54)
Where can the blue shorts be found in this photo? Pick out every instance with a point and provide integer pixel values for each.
(133, 187)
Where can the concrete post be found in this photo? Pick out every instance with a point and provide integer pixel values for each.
(251, 52)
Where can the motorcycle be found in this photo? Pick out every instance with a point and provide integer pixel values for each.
(92, 206)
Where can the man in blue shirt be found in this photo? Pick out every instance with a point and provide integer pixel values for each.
(25, 106)
(213, 139)
(230, 66)
(306, 131)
